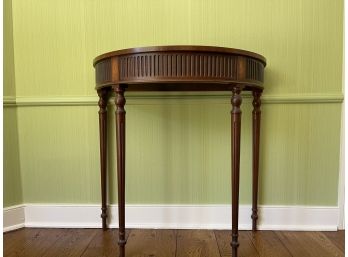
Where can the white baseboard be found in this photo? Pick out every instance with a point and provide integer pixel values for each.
(300, 218)
(13, 217)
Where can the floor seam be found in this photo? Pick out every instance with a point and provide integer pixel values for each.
(282, 243)
(96, 233)
(176, 242)
(252, 242)
(217, 243)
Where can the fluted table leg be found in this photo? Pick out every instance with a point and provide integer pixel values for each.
(120, 113)
(256, 147)
(103, 101)
(236, 113)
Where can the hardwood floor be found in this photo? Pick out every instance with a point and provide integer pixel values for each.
(170, 243)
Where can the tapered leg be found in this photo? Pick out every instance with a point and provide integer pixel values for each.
(236, 113)
(103, 100)
(120, 113)
(256, 147)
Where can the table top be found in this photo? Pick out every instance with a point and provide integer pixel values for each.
(180, 68)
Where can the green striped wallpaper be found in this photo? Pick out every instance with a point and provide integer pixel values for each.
(12, 182)
(178, 149)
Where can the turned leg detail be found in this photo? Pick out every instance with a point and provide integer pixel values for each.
(120, 114)
(236, 113)
(103, 101)
(256, 146)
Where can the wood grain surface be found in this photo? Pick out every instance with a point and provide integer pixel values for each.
(309, 244)
(268, 244)
(30, 242)
(196, 243)
(103, 244)
(73, 243)
(337, 238)
(245, 249)
(151, 242)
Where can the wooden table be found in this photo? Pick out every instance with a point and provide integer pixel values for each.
(179, 68)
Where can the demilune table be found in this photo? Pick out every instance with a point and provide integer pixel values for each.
(179, 68)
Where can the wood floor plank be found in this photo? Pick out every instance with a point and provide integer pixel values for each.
(336, 238)
(15, 239)
(73, 243)
(245, 249)
(309, 244)
(151, 242)
(30, 242)
(104, 244)
(196, 243)
(268, 244)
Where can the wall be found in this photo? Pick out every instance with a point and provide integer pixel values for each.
(178, 149)
(12, 176)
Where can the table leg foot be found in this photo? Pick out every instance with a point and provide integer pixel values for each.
(121, 244)
(235, 245)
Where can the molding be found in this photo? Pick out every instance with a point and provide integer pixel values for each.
(300, 218)
(303, 98)
(13, 217)
(9, 101)
(145, 97)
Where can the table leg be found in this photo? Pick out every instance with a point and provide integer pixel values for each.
(120, 114)
(103, 101)
(236, 113)
(256, 147)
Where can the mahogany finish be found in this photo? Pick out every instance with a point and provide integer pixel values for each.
(256, 146)
(120, 113)
(236, 115)
(180, 68)
(103, 101)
